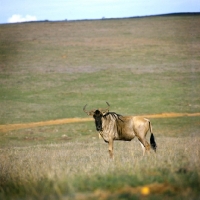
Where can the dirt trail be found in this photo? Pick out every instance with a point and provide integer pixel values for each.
(10, 127)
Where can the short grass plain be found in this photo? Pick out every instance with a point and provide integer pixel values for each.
(50, 70)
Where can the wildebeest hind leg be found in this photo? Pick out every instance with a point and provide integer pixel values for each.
(145, 145)
(143, 148)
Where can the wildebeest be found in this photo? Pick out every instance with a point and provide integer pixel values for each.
(112, 126)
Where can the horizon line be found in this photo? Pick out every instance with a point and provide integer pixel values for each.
(110, 18)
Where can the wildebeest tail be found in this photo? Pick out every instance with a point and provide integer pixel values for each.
(153, 142)
(152, 138)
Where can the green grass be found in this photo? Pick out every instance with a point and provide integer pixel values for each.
(53, 97)
(50, 70)
(165, 127)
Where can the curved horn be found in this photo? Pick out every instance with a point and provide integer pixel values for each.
(88, 112)
(107, 107)
(108, 104)
(105, 110)
(84, 108)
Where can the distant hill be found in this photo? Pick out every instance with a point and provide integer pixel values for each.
(104, 18)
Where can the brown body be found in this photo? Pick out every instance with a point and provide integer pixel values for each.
(112, 126)
(125, 128)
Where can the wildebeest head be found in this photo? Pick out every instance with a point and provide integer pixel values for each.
(97, 115)
(98, 120)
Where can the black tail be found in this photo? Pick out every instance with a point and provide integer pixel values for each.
(152, 139)
(153, 142)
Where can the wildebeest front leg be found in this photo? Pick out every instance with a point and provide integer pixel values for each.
(110, 148)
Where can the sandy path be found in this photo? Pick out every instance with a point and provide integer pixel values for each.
(10, 127)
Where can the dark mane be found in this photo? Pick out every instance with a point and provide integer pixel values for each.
(115, 115)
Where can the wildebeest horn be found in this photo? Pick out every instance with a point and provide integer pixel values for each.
(105, 110)
(108, 104)
(107, 107)
(88, 112)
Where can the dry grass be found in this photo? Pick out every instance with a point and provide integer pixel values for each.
(66, 170)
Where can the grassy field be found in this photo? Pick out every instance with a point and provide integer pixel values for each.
(50, 70)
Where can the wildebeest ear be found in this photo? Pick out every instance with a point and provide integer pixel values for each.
(91, 113)
(104, 112)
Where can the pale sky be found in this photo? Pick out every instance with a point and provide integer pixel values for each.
(31, 10)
